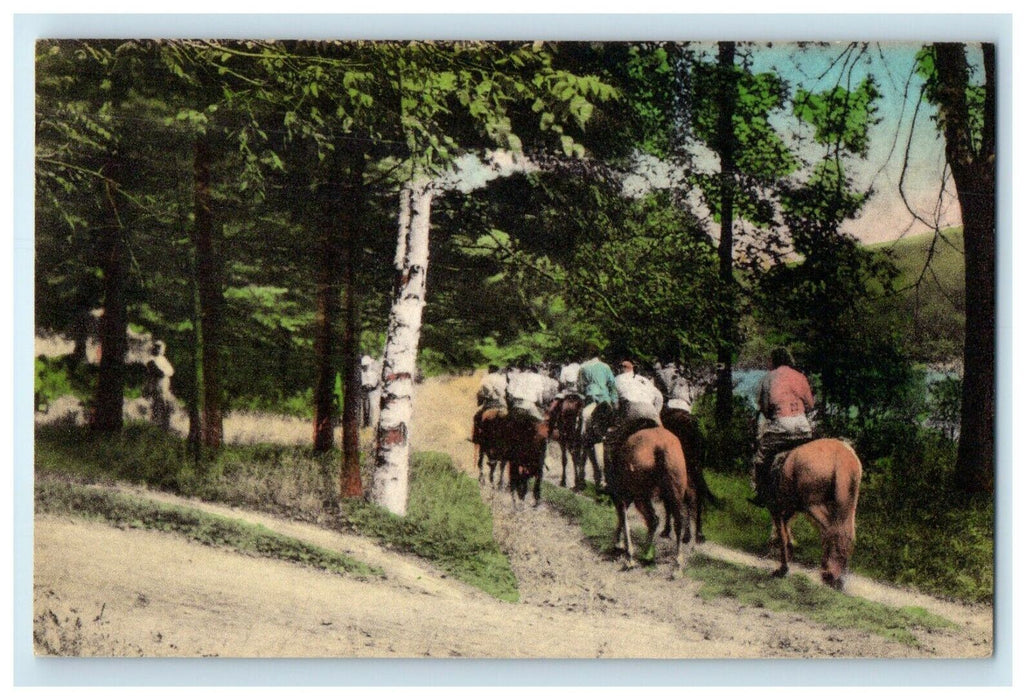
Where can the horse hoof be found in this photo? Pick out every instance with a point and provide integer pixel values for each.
(835, 584)
(780, 572)
(700, 539)
(666, 534)
(629, 564)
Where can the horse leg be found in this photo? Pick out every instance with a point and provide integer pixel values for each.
(580, 457)
(781, 523)
(563, 461)
(644, 504)
(666, 532)
(480, 463)
(673, 509)
(620, 535)
(597, 472)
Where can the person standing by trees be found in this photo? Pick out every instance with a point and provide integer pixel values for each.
(370, 381)
(784, 398)
(158, 386)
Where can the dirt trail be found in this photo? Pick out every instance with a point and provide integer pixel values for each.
(104, 591)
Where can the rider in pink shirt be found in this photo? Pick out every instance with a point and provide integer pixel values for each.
(784, 399)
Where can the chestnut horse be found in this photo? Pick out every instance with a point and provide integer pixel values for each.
(563, 417)
(821, 478)
(650, 463)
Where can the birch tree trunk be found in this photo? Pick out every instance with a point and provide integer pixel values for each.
(390, 487)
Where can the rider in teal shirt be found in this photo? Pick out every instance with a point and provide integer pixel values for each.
(596, 382)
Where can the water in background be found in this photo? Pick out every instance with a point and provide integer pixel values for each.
(746, 384)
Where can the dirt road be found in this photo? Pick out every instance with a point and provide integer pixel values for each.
(103, 591)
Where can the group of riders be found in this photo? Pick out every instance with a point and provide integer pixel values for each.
(622, 403)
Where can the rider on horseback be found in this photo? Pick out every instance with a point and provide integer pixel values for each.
(784, 399)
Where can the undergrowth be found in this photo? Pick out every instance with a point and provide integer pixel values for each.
(213, 530)
(446, 524)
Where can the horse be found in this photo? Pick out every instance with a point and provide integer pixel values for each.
(524, 445)
(489, 432)
(650, 463)
(595, 419)
(822, 479)
(685, 426)
(563, 416)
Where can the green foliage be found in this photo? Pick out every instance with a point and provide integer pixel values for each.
(975, 94)
(54, 378)
(126, 511)
(840, 116)
(733, 439)
(647, 284)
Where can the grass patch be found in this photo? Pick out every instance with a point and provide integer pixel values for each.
(798, 594)
(945, 551)
(213, 530)
(447, 522)
(754, 587)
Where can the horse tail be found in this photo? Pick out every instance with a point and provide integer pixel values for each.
(703, 490)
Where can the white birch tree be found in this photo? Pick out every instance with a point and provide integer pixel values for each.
(450, 94)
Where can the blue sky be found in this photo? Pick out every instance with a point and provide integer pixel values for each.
(903, 116)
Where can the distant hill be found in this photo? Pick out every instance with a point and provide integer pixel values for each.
(931, 292)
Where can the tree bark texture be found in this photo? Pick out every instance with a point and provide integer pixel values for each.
(973, 166)
(328, 309)
(210, 295)
(355, 201)
(114, 323)
(390, 487)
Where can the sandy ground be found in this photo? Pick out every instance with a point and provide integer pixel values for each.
(104, 591)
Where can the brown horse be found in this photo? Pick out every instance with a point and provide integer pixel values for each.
(821, 478)
(524, 444)
(686, 427)
(650, 463)
(563, 417)
(489, 434)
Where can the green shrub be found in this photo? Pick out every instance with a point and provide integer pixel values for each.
(726, 447)
(299, 405)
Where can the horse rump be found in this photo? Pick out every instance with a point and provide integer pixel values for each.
(821, 479)
(649, 463)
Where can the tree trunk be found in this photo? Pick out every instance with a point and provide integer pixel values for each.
(726, 152)
(328, 307)
(351, 381)
(973, 167)
(390, 487)
(210, 294)
(113, 325)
